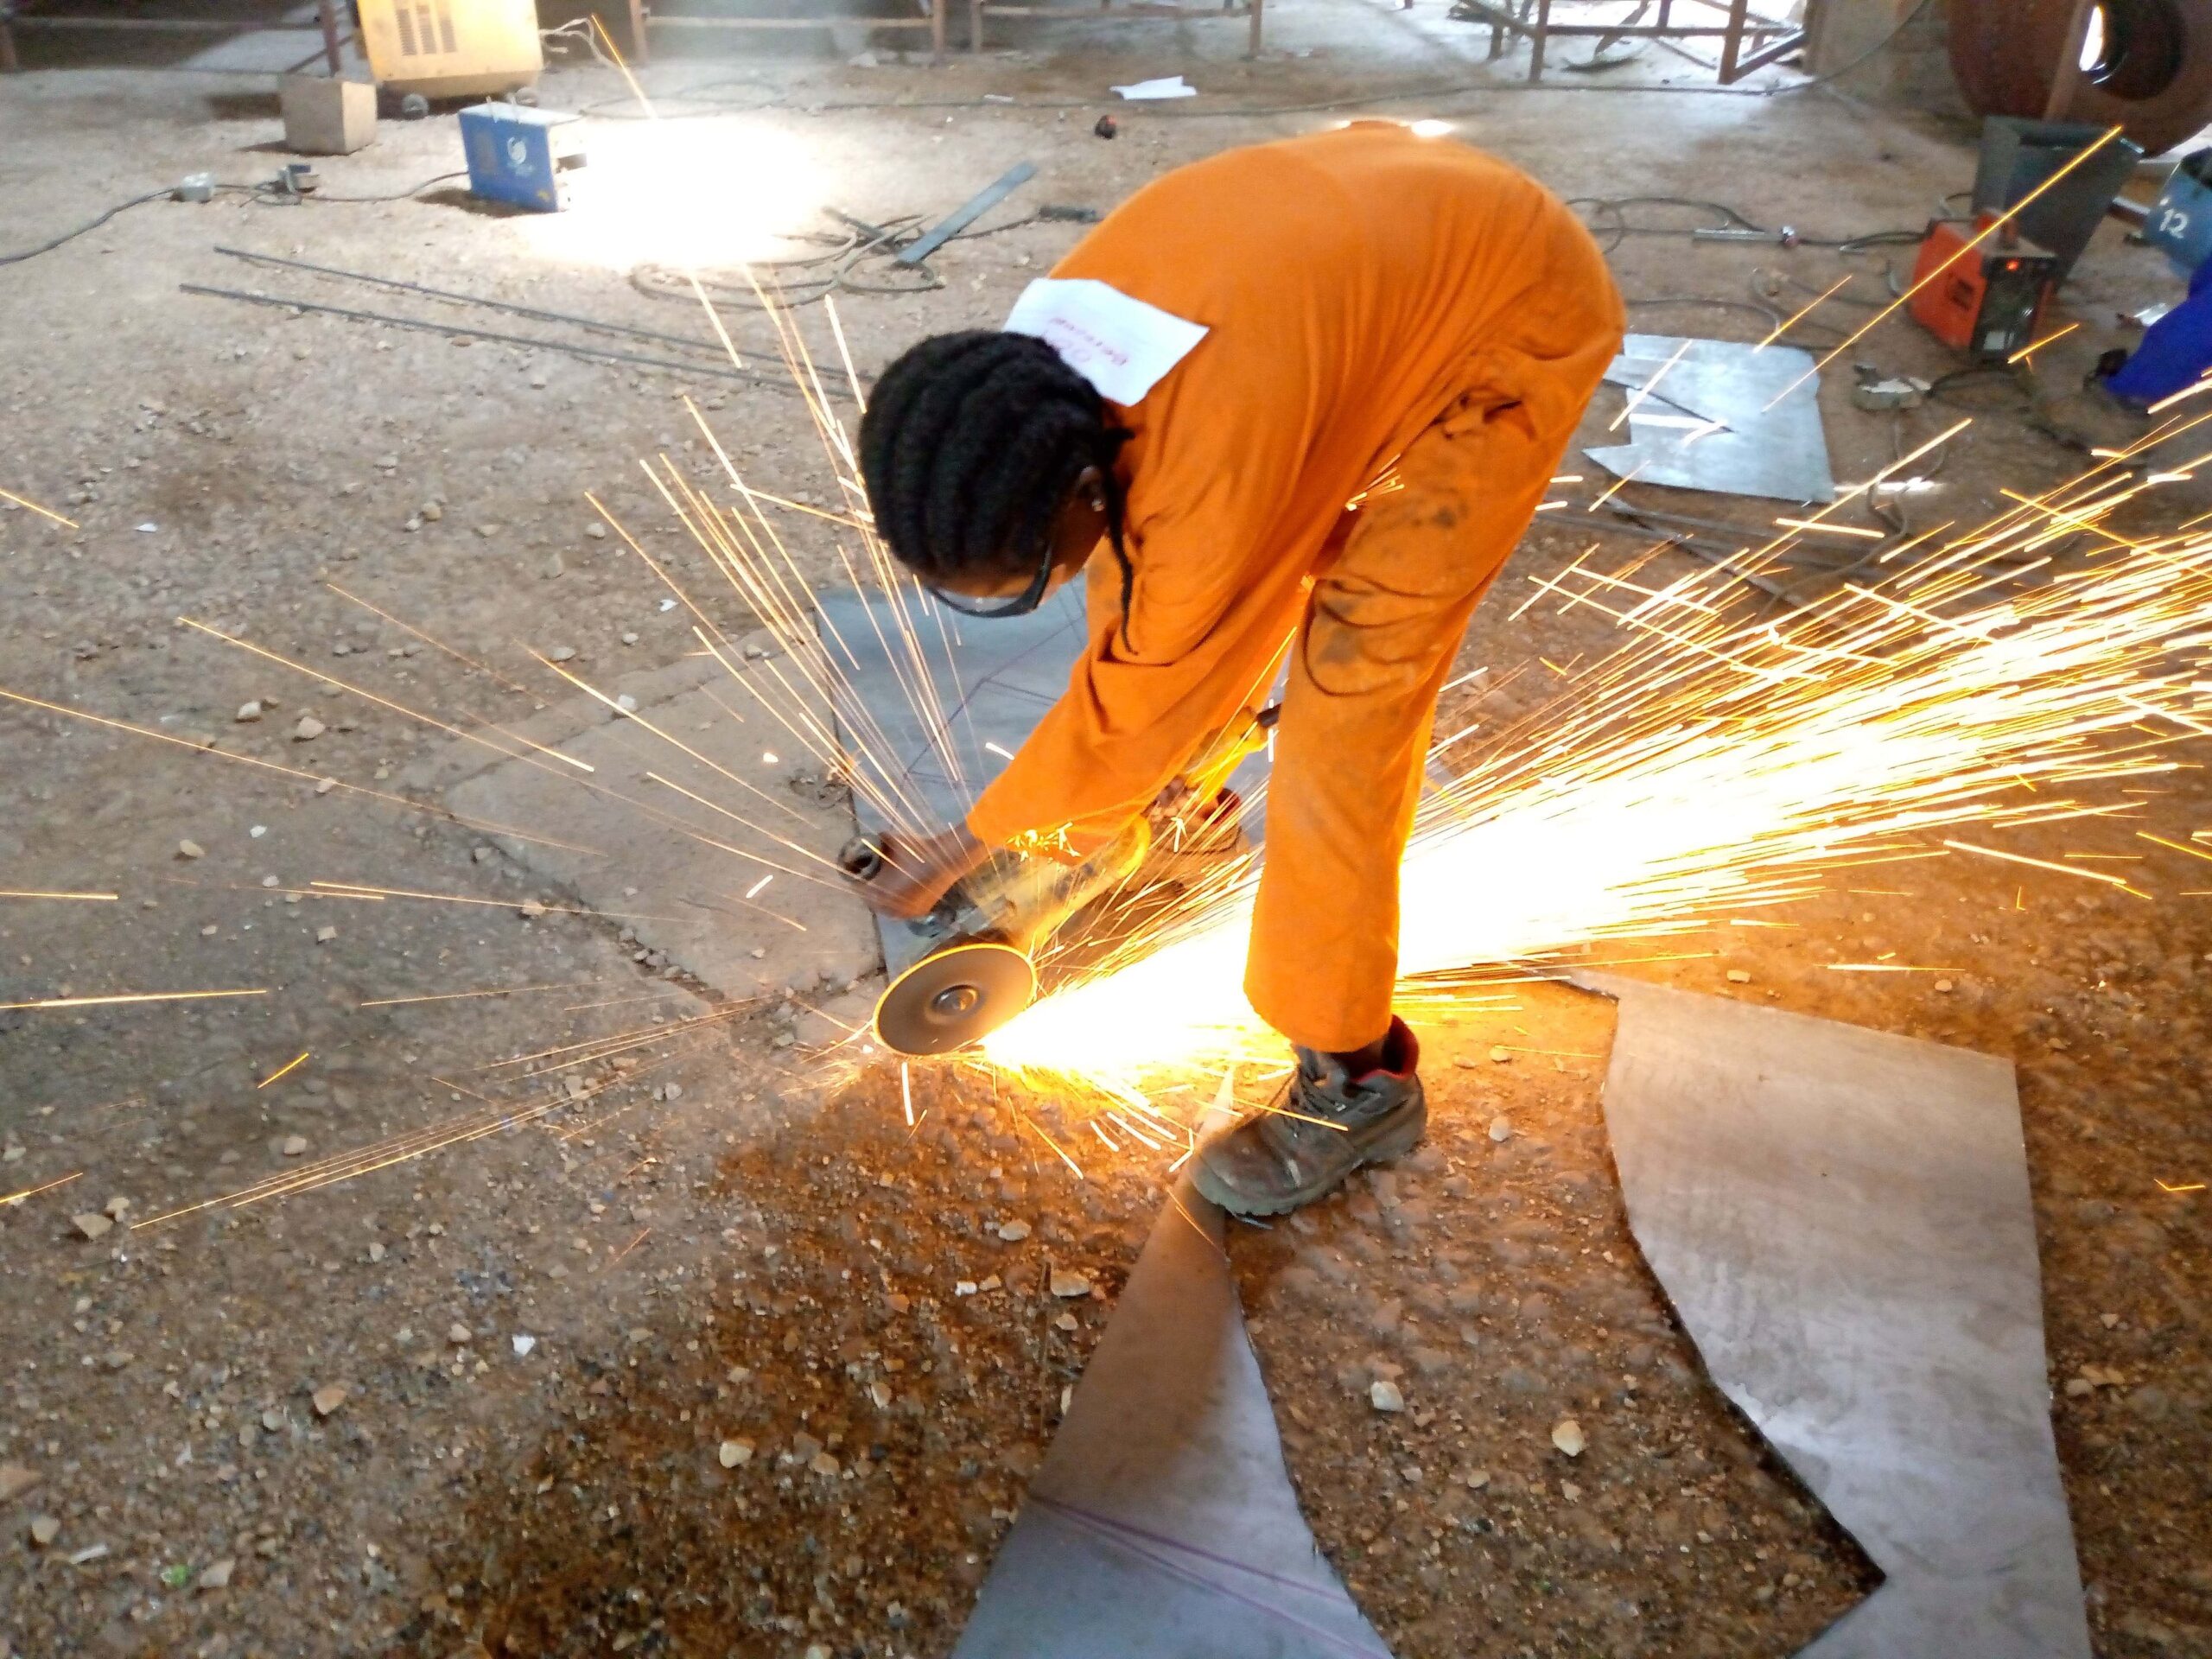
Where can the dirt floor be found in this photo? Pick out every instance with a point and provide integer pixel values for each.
(674, 1358)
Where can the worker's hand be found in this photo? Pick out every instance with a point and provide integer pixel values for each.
(917, 871)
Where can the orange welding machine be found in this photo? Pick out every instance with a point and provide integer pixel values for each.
(1983, 300)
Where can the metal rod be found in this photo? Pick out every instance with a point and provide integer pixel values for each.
(512, 308)
(966, 213)
(1490, 12)
(161, 25)
(751, 376)
(784, 22)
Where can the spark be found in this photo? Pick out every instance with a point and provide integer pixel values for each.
(907, 1090)
(319, 781)
(1025, 1119)
(440, 645)
(1833, 529)
(2194, 852)
(33, 1191)
(1003, 754)
(1649, 386)
(28, 893)
(2033, 346)
(318, 889)
(2193, 1186)
(43, 512)
(1781, 328)
(1997, 223)
(753, 892)
(400, 709)
(128, 996)
(2183, 395)
(285, 1070)
(1718, 759)
(1615, 487)
(2039, 863)
(457, 996)
(1884, 968)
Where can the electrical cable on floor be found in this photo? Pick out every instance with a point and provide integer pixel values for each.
(267, 192)
(1615, 223)
(89, 227)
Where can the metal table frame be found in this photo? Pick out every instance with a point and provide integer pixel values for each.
(934, 22)
(15, 12)
(1532, 20)
(978, 10)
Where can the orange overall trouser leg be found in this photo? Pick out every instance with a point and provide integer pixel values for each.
(1380, 635)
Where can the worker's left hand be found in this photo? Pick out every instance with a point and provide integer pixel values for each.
(917, 871)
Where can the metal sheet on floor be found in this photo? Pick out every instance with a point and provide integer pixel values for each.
(1842, 1218)
(1721, 416)
(1163, 1524)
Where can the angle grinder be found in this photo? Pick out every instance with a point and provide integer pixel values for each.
(984, 974)
(993, 921)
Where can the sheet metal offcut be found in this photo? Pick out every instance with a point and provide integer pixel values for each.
(1706, 424)
(1842, 1218)
(1162, 1524)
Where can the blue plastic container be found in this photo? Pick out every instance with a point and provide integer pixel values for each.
(2180, 222)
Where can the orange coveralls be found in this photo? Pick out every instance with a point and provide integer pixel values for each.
(1372, 297)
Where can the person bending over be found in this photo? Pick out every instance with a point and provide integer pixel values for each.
(1299, 399)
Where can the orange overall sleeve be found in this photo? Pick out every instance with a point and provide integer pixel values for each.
(1129, 718)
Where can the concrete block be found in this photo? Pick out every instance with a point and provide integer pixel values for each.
(327, 117)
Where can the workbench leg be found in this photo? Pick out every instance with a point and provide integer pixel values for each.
(9, 62)
(1259, 8)
(329, 13)
(641, 52)
(936, 32)
(1543, 27)
(1731, 44)
(975, 28)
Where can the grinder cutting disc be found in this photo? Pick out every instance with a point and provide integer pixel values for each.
(950, 1000)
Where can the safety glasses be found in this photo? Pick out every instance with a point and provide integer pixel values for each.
(1020, 605)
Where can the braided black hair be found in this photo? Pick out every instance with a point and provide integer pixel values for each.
(970, 443)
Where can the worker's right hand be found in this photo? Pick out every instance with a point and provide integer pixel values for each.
(917, 871)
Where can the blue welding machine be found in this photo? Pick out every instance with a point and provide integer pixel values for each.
(521, 155)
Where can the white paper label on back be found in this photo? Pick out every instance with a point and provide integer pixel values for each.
(1121, 345)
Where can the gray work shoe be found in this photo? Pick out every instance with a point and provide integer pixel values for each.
(1280, 1159)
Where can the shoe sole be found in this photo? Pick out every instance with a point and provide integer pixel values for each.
(1393, 1143)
